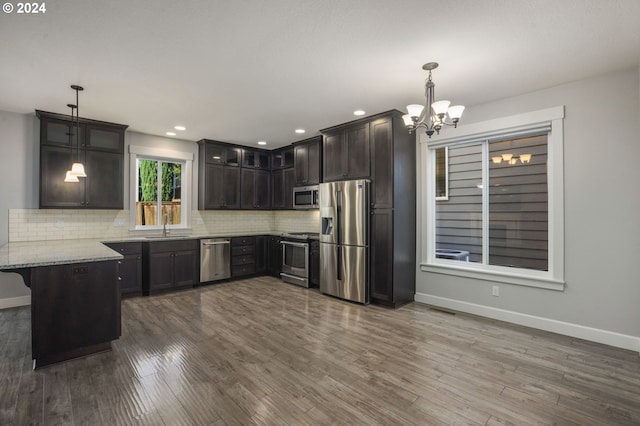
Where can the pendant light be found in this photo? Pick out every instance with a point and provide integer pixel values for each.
(77, 169)
(70, 177)
(433, 116)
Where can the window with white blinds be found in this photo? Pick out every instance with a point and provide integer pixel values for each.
(503, 210)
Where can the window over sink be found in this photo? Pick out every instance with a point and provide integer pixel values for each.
(159, 188)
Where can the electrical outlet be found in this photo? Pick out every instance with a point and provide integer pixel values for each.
(118, 223)
(199, 221)
(60, 223)
(495, 291)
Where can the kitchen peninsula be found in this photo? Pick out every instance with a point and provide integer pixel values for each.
(75, 296)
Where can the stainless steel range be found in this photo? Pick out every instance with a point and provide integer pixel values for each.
(295, 258)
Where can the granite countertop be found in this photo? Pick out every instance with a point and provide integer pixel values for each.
(30, 254)
(44, 253)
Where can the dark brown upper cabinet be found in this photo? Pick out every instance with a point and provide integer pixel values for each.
(282, 158)
(256, 159)
(346, 152)
(99, 145)
(220, 153)
(308, 161)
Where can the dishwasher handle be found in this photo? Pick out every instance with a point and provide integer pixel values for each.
(215, 243)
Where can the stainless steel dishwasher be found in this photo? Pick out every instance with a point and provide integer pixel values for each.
(215, 259)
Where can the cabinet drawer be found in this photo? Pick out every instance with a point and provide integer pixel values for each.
(243, 241)
(242, 250)
(126, 248)
(243, 260)
(243, 270)
(173, 245)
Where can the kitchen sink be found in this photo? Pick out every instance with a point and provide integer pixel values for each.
(166, 237)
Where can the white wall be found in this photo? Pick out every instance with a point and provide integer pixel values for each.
(19, 163)
(601, 301)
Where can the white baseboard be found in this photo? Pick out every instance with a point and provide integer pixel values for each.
(574, 330)
(13, 302)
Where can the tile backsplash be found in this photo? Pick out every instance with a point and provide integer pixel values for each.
(61, 224)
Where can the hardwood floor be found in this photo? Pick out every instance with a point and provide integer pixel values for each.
(259, 351)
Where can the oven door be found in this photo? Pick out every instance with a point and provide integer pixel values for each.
(295, 259)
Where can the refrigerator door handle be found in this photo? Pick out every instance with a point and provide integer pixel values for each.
(339, 263)
(339, 217)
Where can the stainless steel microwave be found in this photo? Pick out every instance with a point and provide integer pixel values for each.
(305, 197)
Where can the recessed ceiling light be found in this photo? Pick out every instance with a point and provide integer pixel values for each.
(359, 112)
(300, 131)
(181, 128)
(262, 143)
(170, 133)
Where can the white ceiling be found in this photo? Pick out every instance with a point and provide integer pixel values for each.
(247, 70)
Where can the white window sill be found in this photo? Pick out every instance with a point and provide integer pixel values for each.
(459, 269)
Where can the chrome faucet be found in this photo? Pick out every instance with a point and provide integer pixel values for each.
(164, 225)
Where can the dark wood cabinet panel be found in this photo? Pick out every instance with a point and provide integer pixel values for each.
(314, 263)
(255, 189)
(274, 256)
(219, 187)
(333, 165)
(282, 158)
(220, 153)
(104, 187)
(130, 267)
(184, 266)
(54, 191)
(282, 183)
(346, 153)
(382, 172)
(261, 254)
(103, 138)
(357, 152)
(307, 160)
(169, 265)
(101, 149)
(256, 159)
(243, 256)
(159, 272)
(381, 255)
(74, 308)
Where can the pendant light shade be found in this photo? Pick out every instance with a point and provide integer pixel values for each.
(77, 169)
(70, 177)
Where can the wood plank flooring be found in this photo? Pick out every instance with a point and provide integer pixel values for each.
(260, 351)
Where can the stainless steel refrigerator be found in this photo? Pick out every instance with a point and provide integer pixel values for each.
(344, 239)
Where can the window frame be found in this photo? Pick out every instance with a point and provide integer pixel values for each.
(165, 155)
(501, 128)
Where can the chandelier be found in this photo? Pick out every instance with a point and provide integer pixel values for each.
(433, 115)
(77, 168)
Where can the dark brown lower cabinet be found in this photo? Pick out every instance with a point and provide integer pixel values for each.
(392, 254)
(75, 310)
(130, 267)
(314, 263)
(243, 256)
(274, 256)
(261, 254)
(169, 265)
